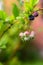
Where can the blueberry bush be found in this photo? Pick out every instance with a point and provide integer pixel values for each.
(16, 33)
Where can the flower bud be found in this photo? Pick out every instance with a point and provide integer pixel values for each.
(26, 33)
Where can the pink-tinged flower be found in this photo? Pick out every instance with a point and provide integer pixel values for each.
(32, 34)
(26, 33)
(21, 34)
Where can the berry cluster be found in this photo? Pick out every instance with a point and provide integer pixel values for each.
(32, 16)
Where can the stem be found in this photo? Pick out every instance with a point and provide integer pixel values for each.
(39, 9)
(7, 28)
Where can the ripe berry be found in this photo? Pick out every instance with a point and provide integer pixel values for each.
(35, 14)
(31, 17)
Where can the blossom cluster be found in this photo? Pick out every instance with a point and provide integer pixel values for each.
(25, 36)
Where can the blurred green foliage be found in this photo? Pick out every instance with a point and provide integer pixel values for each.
(3, 15)
(15, 10)
(1, 63)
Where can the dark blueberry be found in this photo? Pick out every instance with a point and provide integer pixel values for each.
(31, 17)
(35, 14)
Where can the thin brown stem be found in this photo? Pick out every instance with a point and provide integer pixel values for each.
(39, 9)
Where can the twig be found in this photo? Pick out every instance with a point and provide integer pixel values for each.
(39, 9)
(10, 25)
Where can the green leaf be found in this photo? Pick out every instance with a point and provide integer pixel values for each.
(34, 2)
(2, 15)
(29, 6)
(15, 10)
(4, 41)
(9, 19)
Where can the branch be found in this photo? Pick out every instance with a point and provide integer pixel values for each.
(6, 30)
(39, 9)
(10, 25)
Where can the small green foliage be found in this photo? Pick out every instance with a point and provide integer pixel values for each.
(2, 15)
(29, 6)
(15, 10)
(34, 2)
(3, 42)
(1, 63)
